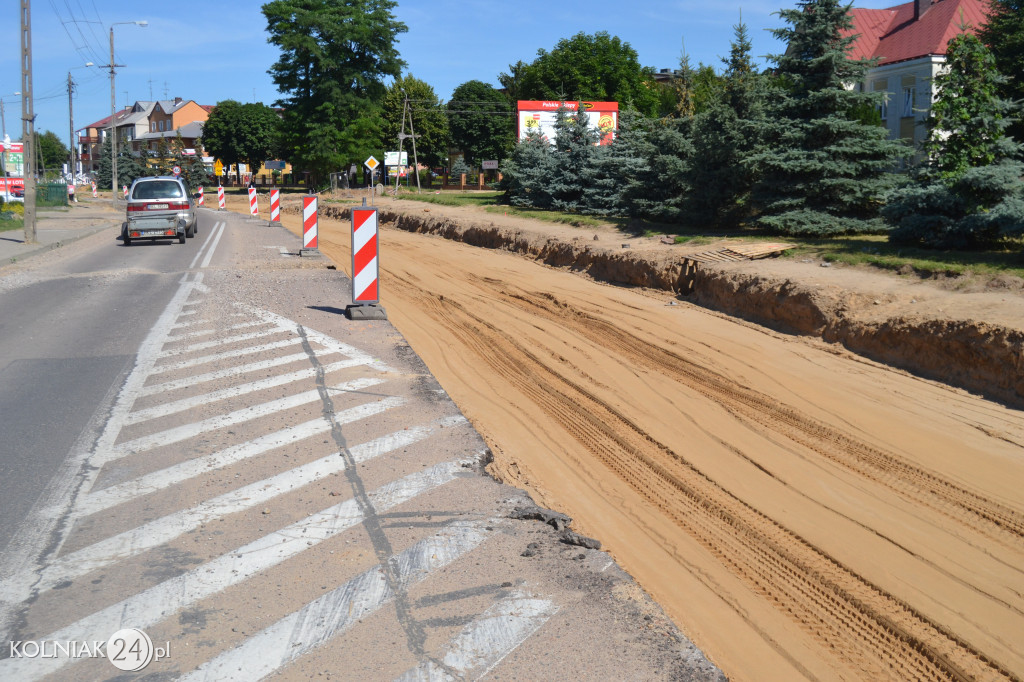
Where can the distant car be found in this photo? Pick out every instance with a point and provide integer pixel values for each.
(159, 208)
(18, 192)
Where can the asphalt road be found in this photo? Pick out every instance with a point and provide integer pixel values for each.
(70, 332)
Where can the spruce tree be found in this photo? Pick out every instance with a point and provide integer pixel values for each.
(574, 154)
(970, 193)
(1003, 34)
(618, 172)
(823, 170)
(725, 137)
(666, 181)
(527, 174)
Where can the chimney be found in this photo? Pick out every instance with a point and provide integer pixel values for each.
(177, 100)
(920, 7)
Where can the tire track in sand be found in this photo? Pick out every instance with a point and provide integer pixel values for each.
(859, 623)
(940, 494)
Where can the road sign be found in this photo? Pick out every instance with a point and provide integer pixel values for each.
(371, 163)
(489, 165)
(218, 168)
(392, 159)
(176, 170)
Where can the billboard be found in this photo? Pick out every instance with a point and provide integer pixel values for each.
(13, 158)
(540, 117)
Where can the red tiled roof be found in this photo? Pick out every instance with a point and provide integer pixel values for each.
(892, 35)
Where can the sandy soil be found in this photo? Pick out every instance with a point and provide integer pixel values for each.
(800, 511)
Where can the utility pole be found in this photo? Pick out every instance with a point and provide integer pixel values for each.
(401, 143)
(113, 124)
(71, 128)
(27, 122)
(415, 159)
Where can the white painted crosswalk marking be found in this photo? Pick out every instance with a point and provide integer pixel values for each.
(171, 596)
(205, 399)
(167, 528)
(158, 480)
(333, 613)
(222, 421)
(229, 372)
(488, 639)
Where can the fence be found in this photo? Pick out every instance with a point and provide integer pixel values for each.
(51, 194)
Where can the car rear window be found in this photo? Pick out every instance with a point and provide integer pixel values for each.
(158, 189)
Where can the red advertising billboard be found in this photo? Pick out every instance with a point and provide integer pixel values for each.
(540, 117)
(13, 159)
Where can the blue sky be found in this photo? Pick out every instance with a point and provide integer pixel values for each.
(212, 51)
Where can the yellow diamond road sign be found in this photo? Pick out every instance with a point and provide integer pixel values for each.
(218, 168)
(371, 163)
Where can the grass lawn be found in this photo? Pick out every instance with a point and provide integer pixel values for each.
(872, 250)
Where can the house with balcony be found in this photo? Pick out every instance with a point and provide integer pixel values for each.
(141, 126)
(909, 41)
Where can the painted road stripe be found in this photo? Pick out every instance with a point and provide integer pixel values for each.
(213, 330)
(213, 247)
(41, 532)
(195, 347)
(206, 243)
(192, 323)
(170, 408)
(226, 355)
(488, 639)
(322, 339)
(158, 480)
(228, 372)
(167, 528)
(327, 616)
(222, 421)
(161, 601)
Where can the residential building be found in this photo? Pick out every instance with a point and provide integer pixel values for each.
(909, 41)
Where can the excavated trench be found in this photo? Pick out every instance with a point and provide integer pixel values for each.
(981, 357)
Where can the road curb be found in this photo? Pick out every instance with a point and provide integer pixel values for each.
(44, 248)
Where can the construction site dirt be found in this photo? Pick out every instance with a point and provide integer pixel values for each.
(816, 471)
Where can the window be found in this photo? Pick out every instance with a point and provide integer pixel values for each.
(152, 126)
(882, 86)
(161, 126)
(908, 102)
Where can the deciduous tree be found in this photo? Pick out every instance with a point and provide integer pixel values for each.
(480, 120)
(598, 67)
(241, 133)
(335, 58)
(428, 120)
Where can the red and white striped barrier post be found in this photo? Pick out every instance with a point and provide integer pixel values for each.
(220, 198)
(364, 256)
(124, 188)
(94, 193)
(254, 210)
(275, 205)
(310, 224)
(200, 201)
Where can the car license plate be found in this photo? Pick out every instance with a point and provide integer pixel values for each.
(156, 207)
(153, 233)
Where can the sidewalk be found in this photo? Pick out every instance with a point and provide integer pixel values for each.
(56, 227)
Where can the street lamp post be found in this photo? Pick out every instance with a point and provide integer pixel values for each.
(113, 123)
(3, 138)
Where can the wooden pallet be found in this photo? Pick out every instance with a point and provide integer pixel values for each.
(741, 252)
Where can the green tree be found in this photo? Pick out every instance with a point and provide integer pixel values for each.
(335, 57)
(597, 67)
(426, 117)
(241, 133)
(619, 172)
(527, 174)
(574, 155)
(823, 171)
(1003, 34)
(50, 152)
(725, 137)
(129, 166)
(480, 121)
(970, 193)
